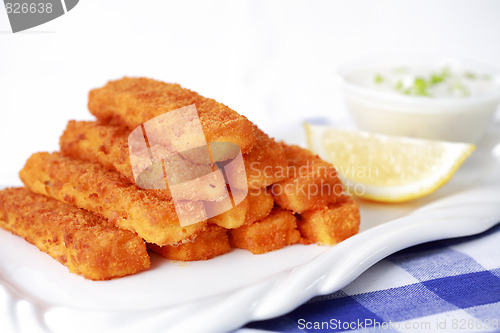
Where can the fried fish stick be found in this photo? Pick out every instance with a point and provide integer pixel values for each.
(260, 203)
(92, 187)
(256, 206)
(84, 242)
(312, 182)
(265, 164)
(330, 225)
(108, 146)
(274, 232)
(209, 244)
(133, 101)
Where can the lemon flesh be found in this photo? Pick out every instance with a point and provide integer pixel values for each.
(387, 168)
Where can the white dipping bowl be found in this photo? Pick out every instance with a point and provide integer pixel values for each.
(463, 119)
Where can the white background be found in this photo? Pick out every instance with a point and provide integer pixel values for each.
(273, 61)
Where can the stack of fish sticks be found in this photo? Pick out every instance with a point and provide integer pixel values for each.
(105, 199)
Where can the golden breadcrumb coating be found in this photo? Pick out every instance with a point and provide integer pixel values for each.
(260, 205)
(211, 243)
(84, 242)
(277, 230)
(96, 142)
(108, 146)
(92, 187)
(312, 182)
(265, 164)
(257, 205)
(332, 224)
(133, 101)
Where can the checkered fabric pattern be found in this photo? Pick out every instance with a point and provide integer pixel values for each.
(443, 286)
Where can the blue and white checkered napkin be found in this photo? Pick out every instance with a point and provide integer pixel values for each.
(449, 285)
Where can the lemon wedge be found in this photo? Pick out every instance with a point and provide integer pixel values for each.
(387, 168)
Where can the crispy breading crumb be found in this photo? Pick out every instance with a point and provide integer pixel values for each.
(132, 101)
(276, 231)
(84, 242)
(207, 245)
(330, 225)
(256, 206)
(312, 183)
(92, 187)
(108, 145)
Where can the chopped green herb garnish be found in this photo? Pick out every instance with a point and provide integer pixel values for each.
(436, 78)
(435, 83)
(378, 79)
(420, 86)
(440, 76)
(399, 85)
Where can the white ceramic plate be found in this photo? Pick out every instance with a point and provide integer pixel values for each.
(37, 294)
